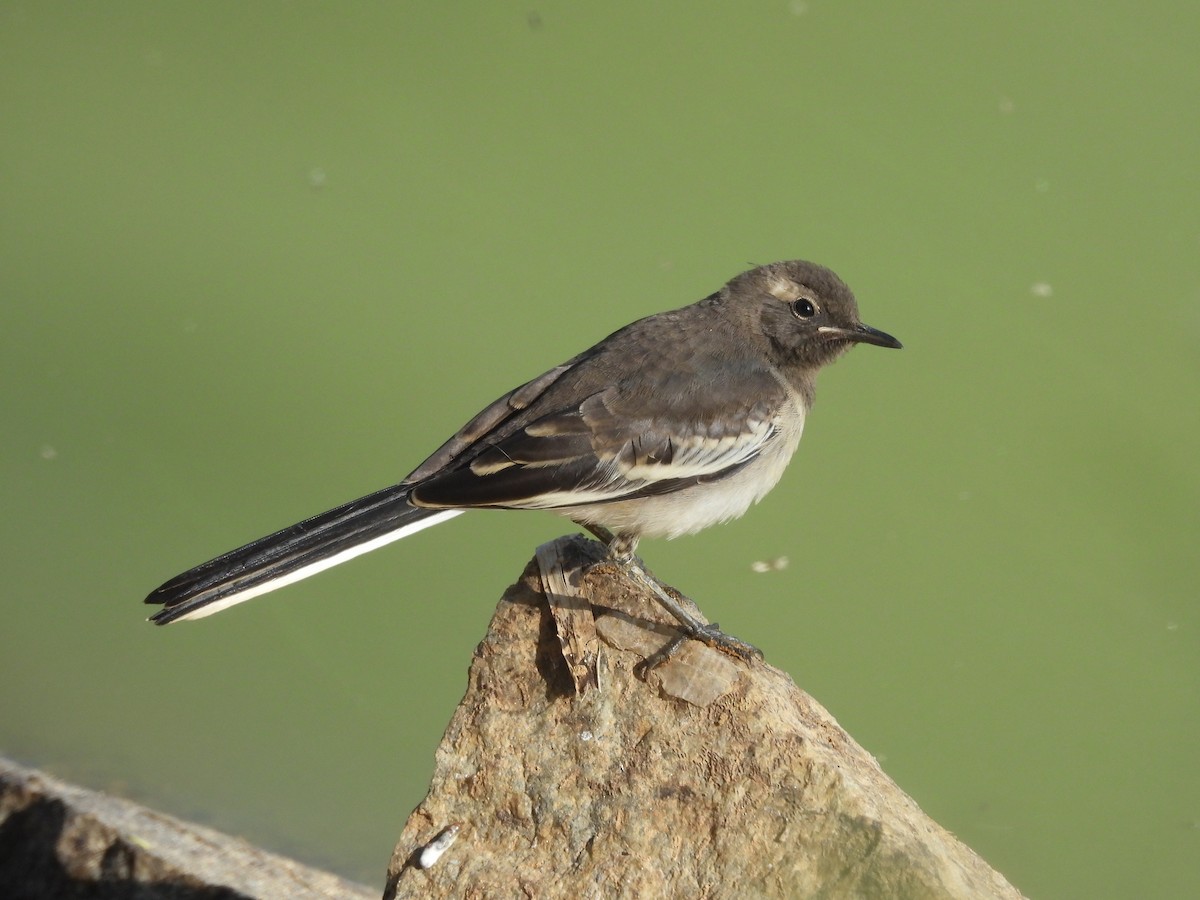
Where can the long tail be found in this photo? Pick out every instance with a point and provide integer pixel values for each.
(292, 554)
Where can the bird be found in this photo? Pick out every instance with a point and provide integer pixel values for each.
(676, 422)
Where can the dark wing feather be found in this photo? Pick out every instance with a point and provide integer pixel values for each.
(488, 421)
(597, 452)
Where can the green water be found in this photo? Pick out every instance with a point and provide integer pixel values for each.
(256, 260)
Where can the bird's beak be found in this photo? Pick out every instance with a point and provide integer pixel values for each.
(862, 334)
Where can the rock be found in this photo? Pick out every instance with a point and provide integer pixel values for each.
(68, 843)
(710, 777)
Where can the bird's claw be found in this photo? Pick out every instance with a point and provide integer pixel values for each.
(710, 635)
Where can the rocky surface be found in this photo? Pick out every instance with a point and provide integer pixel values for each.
(710, 777)
(64, 842)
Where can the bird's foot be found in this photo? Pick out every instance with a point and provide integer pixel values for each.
(709, 634)
(691, 628)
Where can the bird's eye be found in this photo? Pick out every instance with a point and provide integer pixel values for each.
(803, 308)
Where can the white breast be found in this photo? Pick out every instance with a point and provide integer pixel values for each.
(692, 509)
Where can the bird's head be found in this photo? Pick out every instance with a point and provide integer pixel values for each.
(806, 313)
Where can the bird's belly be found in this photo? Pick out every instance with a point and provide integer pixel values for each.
(694, 508)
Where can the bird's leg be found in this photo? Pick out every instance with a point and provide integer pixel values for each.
(621, 552)
(602, 534)
(691, 627)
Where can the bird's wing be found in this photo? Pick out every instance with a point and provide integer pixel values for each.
(620, 442)
(489, 421)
